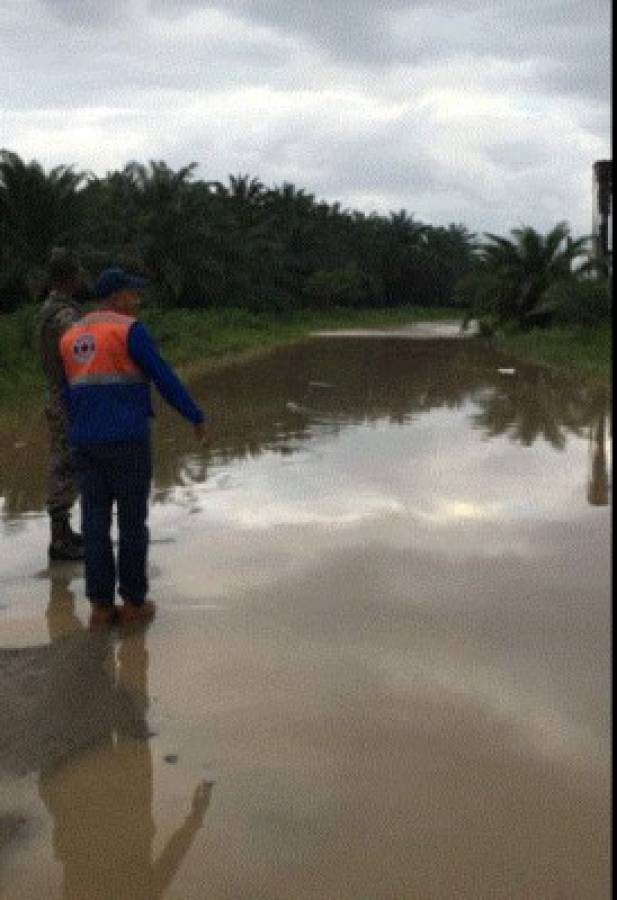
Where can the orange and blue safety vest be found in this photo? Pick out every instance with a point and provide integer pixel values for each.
(109, 360)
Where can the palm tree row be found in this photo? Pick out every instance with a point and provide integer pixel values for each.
(209, 243)
(242, 244)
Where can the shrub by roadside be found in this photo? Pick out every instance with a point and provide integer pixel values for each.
(580, 303)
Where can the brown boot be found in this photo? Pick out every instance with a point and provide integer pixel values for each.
(132, 612)
(102, 616)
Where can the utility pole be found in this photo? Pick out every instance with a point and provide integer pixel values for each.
(602, 191)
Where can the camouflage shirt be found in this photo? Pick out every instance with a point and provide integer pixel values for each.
(57, 314)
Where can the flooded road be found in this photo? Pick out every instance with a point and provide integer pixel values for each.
(380, 667)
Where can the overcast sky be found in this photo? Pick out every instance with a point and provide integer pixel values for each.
(485, 112)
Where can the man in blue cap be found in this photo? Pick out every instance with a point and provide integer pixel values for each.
(109, 359)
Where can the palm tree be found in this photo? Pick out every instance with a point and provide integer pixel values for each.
(37, 211)
(245, 189)
(168, 228)
(514, 275)
(447, 255)
(400, 241)
(158, 183)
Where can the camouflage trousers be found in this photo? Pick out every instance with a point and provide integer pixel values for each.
(62, 489)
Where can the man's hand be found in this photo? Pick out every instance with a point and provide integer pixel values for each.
(200, 433)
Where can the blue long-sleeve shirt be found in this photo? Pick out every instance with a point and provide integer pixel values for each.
(101, 413)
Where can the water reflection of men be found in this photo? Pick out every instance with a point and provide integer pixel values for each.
(62, 619)
(100, 799)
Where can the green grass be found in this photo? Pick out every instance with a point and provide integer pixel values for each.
(192, 340)
(202, 339)
(198, 340)
(579, 351)
(21, 378)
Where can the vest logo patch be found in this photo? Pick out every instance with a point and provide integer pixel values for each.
(84, 348)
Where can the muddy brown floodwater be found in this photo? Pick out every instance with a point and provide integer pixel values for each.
(380, 667)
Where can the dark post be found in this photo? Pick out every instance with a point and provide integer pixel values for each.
(601, 199)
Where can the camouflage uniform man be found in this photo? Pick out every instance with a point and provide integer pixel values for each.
(59, 312)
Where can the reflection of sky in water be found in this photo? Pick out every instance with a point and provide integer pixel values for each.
(348, 598)
(505, 698)
(437, 472)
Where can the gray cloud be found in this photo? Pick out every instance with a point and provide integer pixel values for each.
(487, 113)
(573, 35)
(89, 13)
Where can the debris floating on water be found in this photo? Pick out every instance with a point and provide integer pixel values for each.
(297, 408)
(507, 371)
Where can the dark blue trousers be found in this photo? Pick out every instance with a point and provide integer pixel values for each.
(117, 473)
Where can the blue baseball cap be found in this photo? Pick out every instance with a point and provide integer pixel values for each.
(112, 280)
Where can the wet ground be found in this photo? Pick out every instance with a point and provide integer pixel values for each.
(380, 667)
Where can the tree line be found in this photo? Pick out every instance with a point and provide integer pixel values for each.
(242, 244)
(205, 243)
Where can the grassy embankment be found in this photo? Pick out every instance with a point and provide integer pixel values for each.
(582, 352)
(196, 341)
(192, 340)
